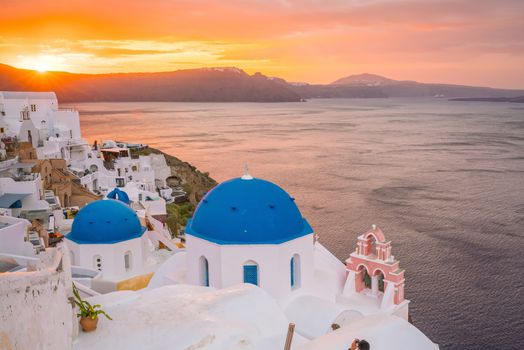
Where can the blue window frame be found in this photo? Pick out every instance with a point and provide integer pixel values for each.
(251, 274)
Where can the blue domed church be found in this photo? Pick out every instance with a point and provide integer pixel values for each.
(107, 236)
(249, 230)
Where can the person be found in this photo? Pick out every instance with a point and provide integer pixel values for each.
(363, 345)
(359, 345)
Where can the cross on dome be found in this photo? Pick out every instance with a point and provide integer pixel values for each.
(246, 175)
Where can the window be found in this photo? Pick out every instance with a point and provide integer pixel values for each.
(24, 115)
(33, 108)
(294, 267)
(120, 183)
(251, 273)
(97, 262)
(127, 260)
(204, 271)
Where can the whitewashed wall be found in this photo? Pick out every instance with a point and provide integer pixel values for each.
(34, 308)
(226, 264)
(12, 237)
(113, 266)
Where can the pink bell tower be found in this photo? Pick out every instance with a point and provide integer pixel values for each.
(374, 272)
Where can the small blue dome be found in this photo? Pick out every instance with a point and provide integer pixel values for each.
(120, 195)
(105, 221)
(251, 211)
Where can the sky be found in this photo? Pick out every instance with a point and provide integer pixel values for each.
(475, 42)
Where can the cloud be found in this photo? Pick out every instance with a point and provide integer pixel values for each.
(309, 40)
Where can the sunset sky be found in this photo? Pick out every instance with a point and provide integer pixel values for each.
(477, 42)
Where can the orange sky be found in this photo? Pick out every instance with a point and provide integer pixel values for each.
(477, 42)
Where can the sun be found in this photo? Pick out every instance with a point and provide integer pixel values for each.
(41, 67)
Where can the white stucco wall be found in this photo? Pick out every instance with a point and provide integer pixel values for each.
(34, 188)
(12, 237)
(34, 308)
(68, 120)
(226, 264)
(27, 128)
(112, 255)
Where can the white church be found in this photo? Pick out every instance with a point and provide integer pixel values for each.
(249, 230)
(246, 244)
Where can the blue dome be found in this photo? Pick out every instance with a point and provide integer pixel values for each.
(105, 221)
(251, 211)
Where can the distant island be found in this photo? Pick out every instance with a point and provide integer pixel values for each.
(519, 99)
(225, 85)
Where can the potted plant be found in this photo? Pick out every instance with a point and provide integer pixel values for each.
(88, 313)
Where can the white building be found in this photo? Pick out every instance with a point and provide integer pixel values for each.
(249, 230)
(142, 201)
(13, 232)
(20, 190)
(107, 236)
(34, 117)
(54, 132)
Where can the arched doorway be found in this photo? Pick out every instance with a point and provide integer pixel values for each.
(251, 272)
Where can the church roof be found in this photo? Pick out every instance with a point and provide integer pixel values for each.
(248, 211)
(104, 222)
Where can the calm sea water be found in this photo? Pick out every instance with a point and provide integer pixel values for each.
(444, 180)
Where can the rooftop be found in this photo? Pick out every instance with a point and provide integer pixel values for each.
(248, 210)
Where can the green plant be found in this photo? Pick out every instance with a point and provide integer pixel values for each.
(86, 309)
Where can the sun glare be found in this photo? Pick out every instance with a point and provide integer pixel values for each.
(41, 67)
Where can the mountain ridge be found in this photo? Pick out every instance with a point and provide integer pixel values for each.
(225, 84)
(228, 84)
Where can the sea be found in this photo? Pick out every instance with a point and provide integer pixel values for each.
(443, 179)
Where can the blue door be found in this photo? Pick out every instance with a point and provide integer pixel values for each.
(251, 274)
